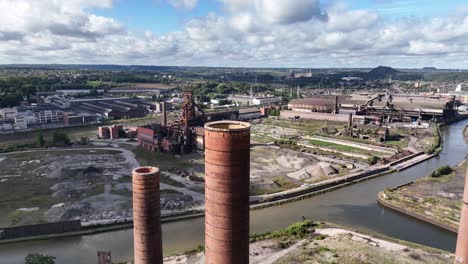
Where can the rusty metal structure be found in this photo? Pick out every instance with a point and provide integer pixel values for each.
(146, 216)
(461, 251)
(227, 170)
(178, 136)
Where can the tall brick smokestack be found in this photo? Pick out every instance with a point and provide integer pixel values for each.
(227, 171)
(164, 116)
(146, 216)
(461, 252)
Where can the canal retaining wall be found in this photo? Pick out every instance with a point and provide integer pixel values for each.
(40, 229)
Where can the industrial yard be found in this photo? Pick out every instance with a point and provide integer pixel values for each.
(94, 184)
(91, 184)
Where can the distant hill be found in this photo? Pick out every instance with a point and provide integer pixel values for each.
(382, 72)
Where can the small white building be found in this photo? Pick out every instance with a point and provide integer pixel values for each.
(8, 113)
(5, 126)
(24, 119)
(252, 100)
(265, 100)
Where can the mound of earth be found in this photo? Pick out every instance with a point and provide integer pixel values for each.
(91, 170)
(319, 170)
(68, 211)
(291, 161)
(69, 186)
(61, 173)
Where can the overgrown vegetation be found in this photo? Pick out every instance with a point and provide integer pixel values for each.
(372, 160)
(60, 139)
(36, 258)
(441, 171)
(297, 230)
(435, 147)
(285, 142)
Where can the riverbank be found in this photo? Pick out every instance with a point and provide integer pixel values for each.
(319, 242)
(435, 199)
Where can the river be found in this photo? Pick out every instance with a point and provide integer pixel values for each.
(354, 206)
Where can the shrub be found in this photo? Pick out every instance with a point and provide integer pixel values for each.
(372, 160)
(40, 142)
(441, 171)
(35, 258)
(60, 139)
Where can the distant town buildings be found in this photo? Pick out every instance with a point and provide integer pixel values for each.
(293, 74)
(25, 117)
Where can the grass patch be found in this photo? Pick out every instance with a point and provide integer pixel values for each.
(311, 127)
(94, 83)
(345, 148)
(261, 138)
(400, 143)
(168, 180)
(163, 161)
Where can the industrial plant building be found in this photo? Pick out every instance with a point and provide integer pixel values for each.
(374, 108)
(187, 133)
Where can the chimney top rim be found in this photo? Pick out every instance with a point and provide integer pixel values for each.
(227, 126)
(145, 171)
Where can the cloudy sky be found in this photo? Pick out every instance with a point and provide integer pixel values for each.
(246, 33)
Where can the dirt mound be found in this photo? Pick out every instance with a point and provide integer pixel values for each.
(91, 170)
(327, 168)
(61, 173)
(68, 211)
(319, 170)
(291, 161)
(69, 186)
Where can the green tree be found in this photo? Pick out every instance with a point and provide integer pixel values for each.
(84, 141)
(36, 258)
(60, 139)
(40, 142)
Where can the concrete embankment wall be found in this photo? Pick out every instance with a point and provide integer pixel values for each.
(396, 162)
(419, 216)
(40, 229)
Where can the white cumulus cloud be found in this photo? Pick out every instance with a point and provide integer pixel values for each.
(184, 4)
(246, 33)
